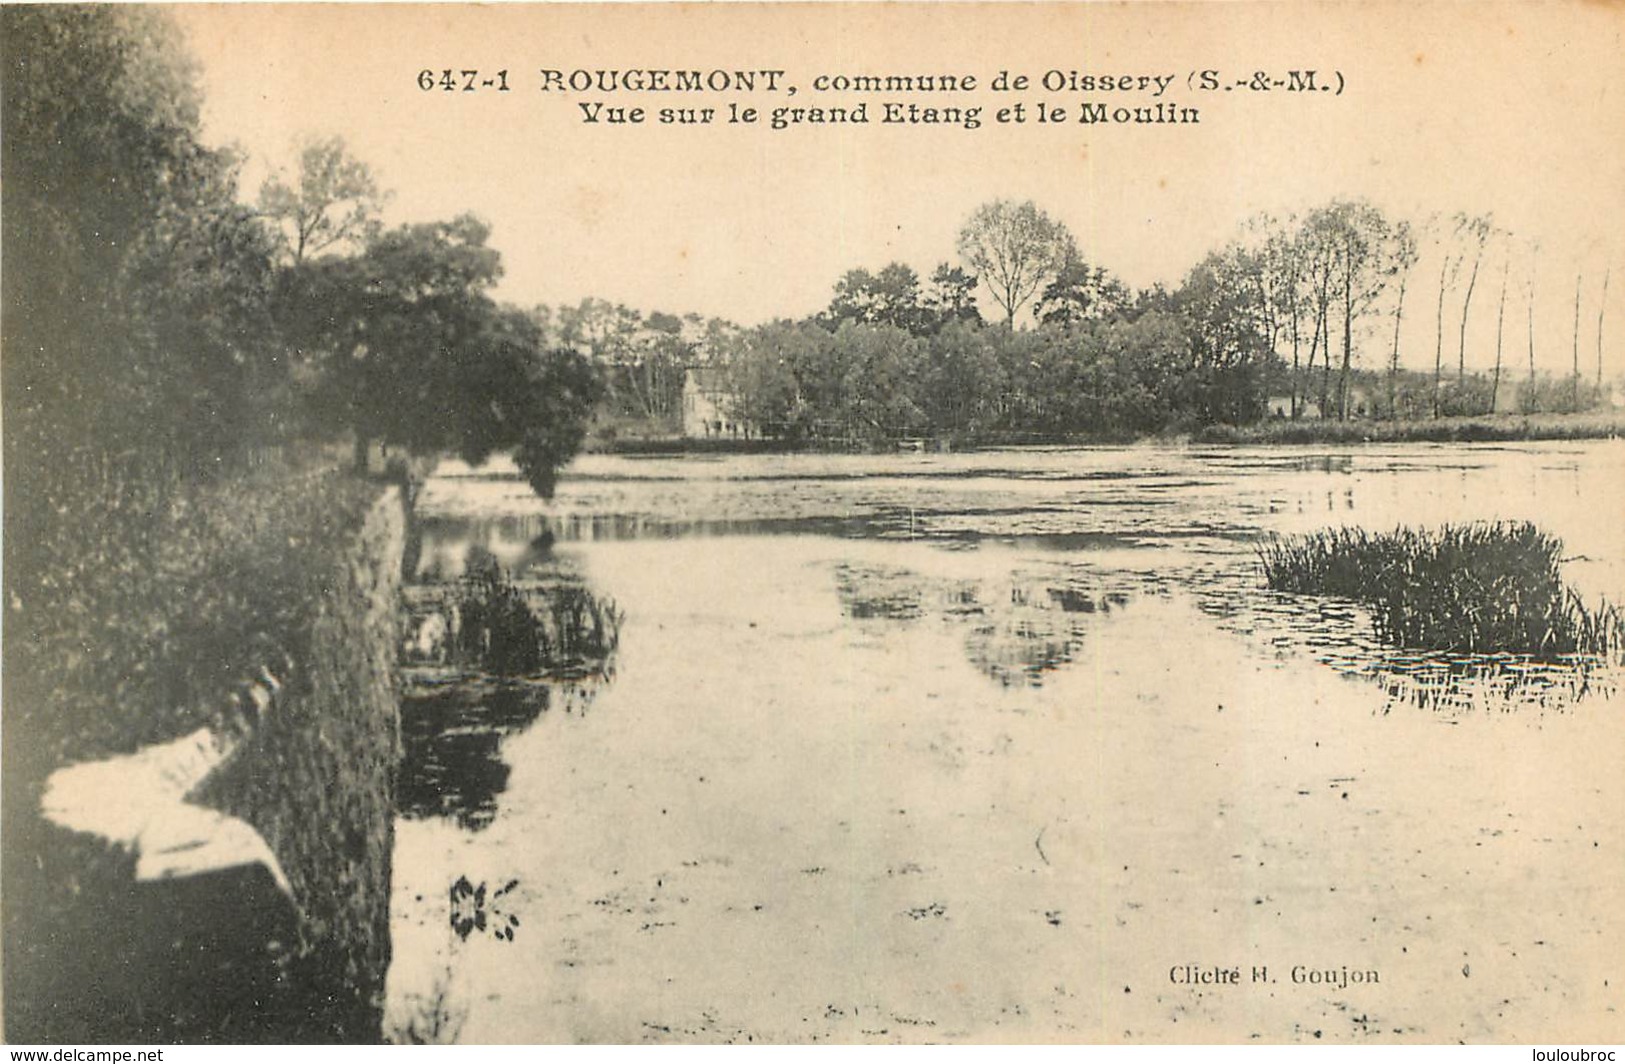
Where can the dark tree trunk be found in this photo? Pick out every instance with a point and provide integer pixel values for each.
(1393, 362)
(1534, 264)
(1295, 344)
(1574, 379)
(1348, 346)
(1466, 303)
(1438, 338)
(1602, 308)
(1500, 324)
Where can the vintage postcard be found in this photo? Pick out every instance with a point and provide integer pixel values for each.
(815, 523)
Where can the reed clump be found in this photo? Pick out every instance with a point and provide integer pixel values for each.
(508, 631)
(1484, 587)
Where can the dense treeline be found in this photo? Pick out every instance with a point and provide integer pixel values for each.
(151, 312)
(1296, 317)
(156, 322)
(1117, 377)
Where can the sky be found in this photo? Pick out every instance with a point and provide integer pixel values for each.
(1512, 109)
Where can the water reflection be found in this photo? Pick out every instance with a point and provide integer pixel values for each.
(474, 908)
(452, 734)
(1458, 686)
(486, 621)
(1017, 631)
(1197, 509)
(486, 656)
(1341, 635)
(522, 542)
(952, 621)
(871, 592)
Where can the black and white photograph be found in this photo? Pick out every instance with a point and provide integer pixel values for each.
(850, 523)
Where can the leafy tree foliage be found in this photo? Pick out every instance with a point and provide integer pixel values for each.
(1014, 248)
(1226, 324)
(135, 287)
(951, 297)
(607, 332)
(396, 329)
(412, 351)
(890, 297)
(966, 383)
(1081, 292)
(895, 297)
(331, 204)
(641, 359)
(1097, 379)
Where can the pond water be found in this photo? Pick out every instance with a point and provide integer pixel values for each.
(985, 747)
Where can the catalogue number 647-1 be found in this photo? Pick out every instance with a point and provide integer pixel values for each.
(462, 80)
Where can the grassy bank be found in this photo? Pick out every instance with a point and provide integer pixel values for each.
(133, 611)
(1595, 424)
(1477, 588)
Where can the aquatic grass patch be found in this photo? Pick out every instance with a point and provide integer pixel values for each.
(502, 628)
(1477, 588)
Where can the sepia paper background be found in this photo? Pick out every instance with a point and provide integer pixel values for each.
(1506, 108)
(1512, 109)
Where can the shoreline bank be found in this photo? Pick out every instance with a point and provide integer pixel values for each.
(1590, 425)
(292, 948)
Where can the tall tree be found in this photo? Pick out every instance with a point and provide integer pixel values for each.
(604, 331)
(1405, 255)
(950, 297)
(1319, 245)
(1449, 269)
(1574, 374)
(786, 378)
(1500, 322)
(1223, 316)
(883, 381)
(1365, 262)
(1080, 292)
(1014, 248)
(1279, 254)
(415, 353)
(332, 203)
(890, 297)
(399, 326)
(517, 394)
(965, 383)
(653, 381)
(134, 285)
(1602, 308)
(1474, 233)
(1534, 263)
